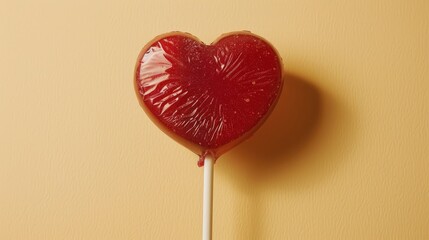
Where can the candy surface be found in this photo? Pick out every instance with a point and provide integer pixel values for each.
(208, 97)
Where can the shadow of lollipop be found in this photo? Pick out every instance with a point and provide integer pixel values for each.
(286, 132)
(274, 148)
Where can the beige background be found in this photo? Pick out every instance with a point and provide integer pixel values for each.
(344, 155)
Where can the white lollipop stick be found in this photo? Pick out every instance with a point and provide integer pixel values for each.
(208, 197)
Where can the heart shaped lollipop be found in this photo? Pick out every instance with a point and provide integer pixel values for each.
(208, 97)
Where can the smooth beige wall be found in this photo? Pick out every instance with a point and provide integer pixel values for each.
(344, 155)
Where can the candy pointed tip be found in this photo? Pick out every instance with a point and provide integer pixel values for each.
(200, 163)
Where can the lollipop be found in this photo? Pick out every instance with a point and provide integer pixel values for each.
(209, 98)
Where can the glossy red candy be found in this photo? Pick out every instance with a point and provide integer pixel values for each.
(208, 97)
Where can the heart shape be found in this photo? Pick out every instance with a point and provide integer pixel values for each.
(209, 98)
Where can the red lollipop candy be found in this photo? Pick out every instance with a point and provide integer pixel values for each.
(211, 97)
